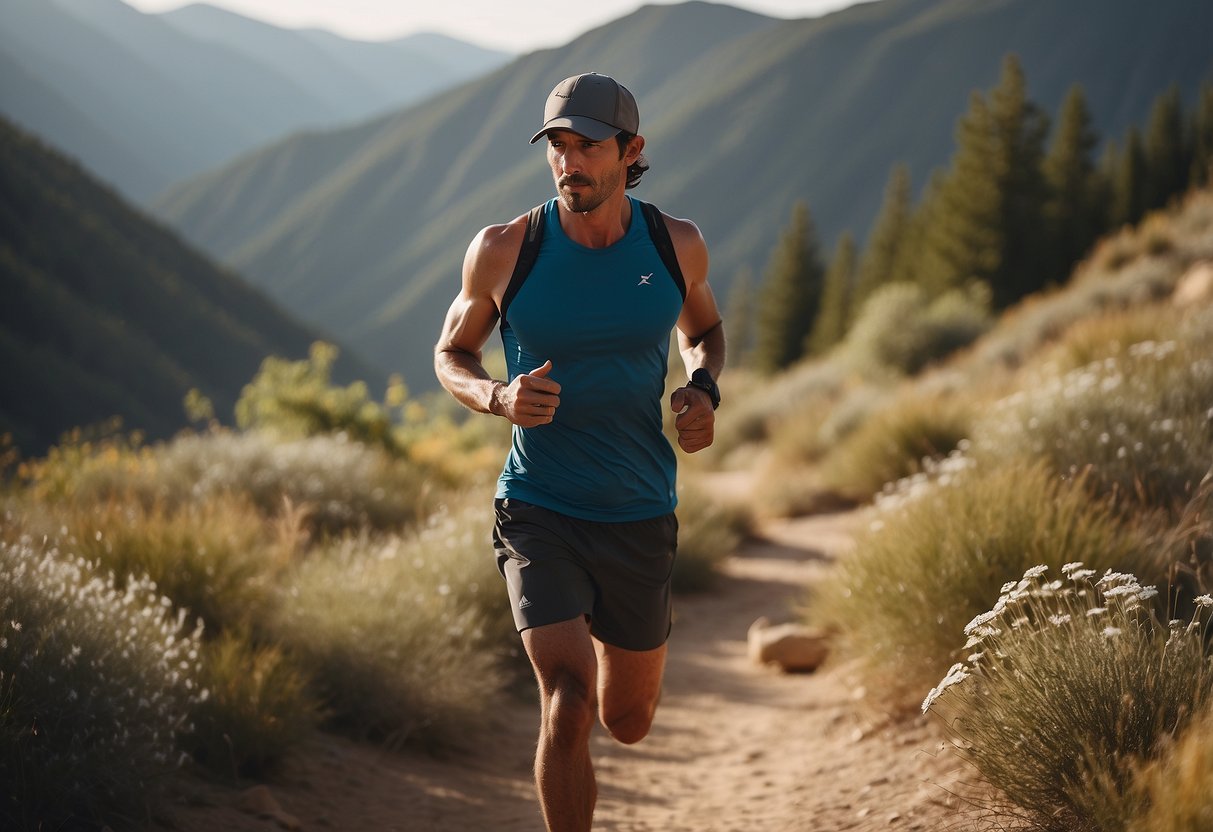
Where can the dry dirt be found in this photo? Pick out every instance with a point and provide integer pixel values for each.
(736, 747)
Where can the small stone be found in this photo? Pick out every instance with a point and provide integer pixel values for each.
(795, 648)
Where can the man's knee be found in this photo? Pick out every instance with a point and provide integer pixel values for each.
(630, 724)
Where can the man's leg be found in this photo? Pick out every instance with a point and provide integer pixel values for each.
(629, 686)
(563, 657)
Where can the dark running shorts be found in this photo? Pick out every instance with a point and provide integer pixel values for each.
(558, 568)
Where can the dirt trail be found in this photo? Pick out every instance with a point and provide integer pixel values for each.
(736, 747)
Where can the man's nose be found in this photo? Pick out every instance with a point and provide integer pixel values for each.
(570, 162)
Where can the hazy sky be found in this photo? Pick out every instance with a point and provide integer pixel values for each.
(514, 25)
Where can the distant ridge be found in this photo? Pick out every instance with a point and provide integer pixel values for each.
(108, 314)
(185, 91)
(365, 228)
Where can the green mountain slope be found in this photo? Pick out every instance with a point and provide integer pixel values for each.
(106, 313)
(365, 229)
(188, 92)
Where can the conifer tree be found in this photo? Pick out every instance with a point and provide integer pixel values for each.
(790, 294)
(835, 309)
(1128, 181)
(988, 223)
(1166, 155)
(886, 242)
(1073, 212)
(1202, 139)
(739, 317)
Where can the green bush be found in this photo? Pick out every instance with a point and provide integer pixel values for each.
(97, 686)
(938, 548)
(708, 532)
(297, 400)
(894, 442)
(402, 638)
(259, 708)
(900, 329)
(345, 485)
(1070, 686)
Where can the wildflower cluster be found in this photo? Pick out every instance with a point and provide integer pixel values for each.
(1068, 684)
(935, 473)
(1140, 420)
(97, 685)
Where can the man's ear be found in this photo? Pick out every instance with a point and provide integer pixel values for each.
(635, 148)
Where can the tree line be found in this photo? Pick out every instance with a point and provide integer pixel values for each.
(1013, 212)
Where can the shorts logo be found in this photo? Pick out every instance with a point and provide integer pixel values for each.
(524, 603)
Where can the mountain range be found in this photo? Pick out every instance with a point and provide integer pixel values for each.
(105, 313)
(145, 100)
(364, 228)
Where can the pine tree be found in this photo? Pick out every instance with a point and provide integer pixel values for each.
(790, 294)
(739, 317)
(835, 309)
(1202, 139)
(1128, 181)
(1166, 154)
(988, 223)
(1073, 212)
(886, 242)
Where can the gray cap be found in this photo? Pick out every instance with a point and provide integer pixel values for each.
(592, 105)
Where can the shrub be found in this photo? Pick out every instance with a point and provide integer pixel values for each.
(708, 532)
(259, 708)
(1178, 787)
(894, 443)
(1137, 421)
(96, 687)
(1070, 685)
(402, 637)
(343, 484)
(900, 329)
(297, 399)
(941, 544)
(213, 558)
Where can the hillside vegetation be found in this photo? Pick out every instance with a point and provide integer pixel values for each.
(350, 574)
(108, 314)
(744, 115)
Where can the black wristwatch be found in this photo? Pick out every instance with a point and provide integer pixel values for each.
(702, 379)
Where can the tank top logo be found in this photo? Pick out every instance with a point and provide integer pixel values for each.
(644, 279)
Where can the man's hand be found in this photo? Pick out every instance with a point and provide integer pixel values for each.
(696, 422)
(529, 400)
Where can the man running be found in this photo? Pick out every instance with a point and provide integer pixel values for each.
(585, 532)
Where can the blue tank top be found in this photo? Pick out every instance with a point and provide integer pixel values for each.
(603, 317)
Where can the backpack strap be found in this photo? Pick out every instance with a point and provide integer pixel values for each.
(527, 255)
(665, 246)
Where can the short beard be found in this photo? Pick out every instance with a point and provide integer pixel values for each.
(584, 203)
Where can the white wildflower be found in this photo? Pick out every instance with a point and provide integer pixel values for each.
(955, 676)
(1204, 600)
(1111, 632)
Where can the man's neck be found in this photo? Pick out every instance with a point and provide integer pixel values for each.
(602, 227)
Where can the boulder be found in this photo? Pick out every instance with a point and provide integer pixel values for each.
(795, 648)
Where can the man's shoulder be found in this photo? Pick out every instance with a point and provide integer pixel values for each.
(494, 251)
(688, 243)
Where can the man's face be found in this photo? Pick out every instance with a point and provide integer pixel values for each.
(586, 172)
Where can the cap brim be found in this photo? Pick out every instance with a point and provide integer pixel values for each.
(591, 128)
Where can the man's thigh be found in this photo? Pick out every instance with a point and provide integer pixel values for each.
(629, 681)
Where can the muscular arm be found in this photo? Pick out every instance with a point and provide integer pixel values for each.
(700, 338)
(530, 399)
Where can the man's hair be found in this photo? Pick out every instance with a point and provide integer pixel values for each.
(637, 168)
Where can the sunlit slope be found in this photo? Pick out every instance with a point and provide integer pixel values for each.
(365, 229)
(106, 313)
